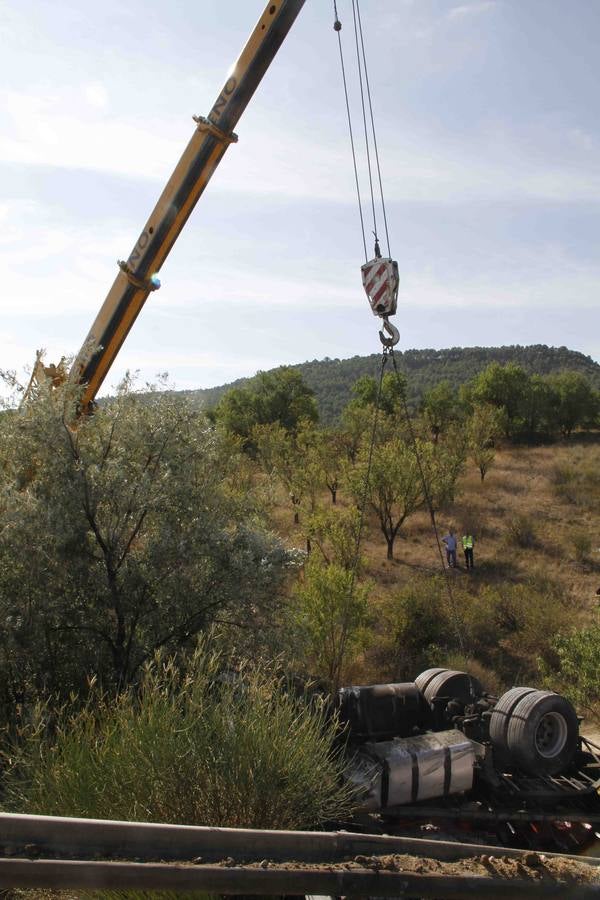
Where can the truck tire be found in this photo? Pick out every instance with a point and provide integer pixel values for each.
(425, 677)
(542, 734)
(454, 685)
(501, 714)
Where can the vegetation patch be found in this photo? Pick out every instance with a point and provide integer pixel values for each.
(209, 746)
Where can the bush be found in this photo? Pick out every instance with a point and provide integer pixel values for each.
(576, 670)
(196, 749)
(579, 482)
(521, 532)
(331, 615)
(486, 676)
(582, 545)
(418, 628)
(509, 628)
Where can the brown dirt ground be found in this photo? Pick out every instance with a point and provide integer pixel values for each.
(531, 867)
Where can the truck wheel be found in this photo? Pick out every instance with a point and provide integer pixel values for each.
(501, 714)
(542, 734)
(425, 677)
(454, 685)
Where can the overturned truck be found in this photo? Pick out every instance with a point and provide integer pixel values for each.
(441, 748)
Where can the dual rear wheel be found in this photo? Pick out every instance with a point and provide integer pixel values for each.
(535, 731)
(538, 731)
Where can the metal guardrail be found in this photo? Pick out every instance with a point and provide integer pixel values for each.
(68, 875)
(65, 853)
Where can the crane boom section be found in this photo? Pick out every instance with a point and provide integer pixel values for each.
(185, 186)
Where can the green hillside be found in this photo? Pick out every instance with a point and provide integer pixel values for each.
(332, 379)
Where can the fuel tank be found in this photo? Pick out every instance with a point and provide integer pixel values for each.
(407, 770)
(379, 712)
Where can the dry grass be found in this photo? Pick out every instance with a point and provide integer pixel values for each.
(525, 487)
(522, 488)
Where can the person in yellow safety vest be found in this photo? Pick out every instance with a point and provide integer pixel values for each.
(468, 542)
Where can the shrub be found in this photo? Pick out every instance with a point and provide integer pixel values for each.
(193, 749)
(487, 677)
(576, 670)
(521, 532)
(331, 614)
(510, 627)
(582, 545)
(578, 482)
(418, 628)
(561, 474)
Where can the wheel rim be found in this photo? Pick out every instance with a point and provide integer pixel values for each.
(551, 735)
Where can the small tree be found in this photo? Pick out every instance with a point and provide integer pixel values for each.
(482, 430)
(332, 614)
(396, 488)
(505, 387)
(539, 405)
(576, 403)
(291, 458)
(335, 534)
(279, 397)
(357, 424)
(330, 453)
(439, 408)
(393, 389)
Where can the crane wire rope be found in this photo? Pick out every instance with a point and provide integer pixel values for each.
(375, 147)
(365, 492)
(362, 65)
(364, 118)
(337, 26)
(430, 506)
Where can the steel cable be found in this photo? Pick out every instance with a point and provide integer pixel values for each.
(430, 507)
(338, 27)
(375, 147)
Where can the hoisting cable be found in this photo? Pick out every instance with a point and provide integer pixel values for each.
(337, 27)
(364, 117)
(364, 57)
(430, 506)
(363, 502)
(380, 280)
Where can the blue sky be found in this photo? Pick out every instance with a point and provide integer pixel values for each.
(488, 125)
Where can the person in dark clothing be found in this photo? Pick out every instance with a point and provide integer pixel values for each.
(468, 542)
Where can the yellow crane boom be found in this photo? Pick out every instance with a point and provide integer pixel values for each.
(138, 275)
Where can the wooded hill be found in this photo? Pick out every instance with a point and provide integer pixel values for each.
(332, 379)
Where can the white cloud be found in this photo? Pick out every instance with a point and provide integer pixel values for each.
(533, 296)
(96, 95)
(471, 9)
(421, 168)
(54, 130)
(582, 139)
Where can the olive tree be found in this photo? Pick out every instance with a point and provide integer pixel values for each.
(121, 534)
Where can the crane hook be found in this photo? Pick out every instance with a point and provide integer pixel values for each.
(394, 334)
